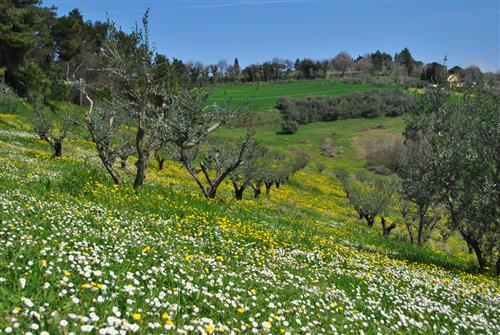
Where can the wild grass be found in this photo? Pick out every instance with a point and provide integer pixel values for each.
(78, 254)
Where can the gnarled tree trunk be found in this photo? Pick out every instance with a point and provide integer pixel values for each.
(474, 245)
(238, 191)
(140, 176)
(386, 228)
(256, 189)
(58, 148)
(268, 187)
(161, 162)
(370, 219)
(142, 154)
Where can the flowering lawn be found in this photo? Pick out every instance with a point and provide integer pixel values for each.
(78, 255)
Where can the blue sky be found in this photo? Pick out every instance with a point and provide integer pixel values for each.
(467, 31)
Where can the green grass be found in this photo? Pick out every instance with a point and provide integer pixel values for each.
(263, 96)
(310, 136)
(298, 261)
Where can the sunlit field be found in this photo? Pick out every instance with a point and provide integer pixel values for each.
(249, 167)
(262, 96)
(79, 255)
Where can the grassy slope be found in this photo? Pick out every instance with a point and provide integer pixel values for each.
(260, 98)
(296, 262)
(263, 96)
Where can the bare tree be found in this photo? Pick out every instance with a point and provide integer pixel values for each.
(472, 75)
(364, 65)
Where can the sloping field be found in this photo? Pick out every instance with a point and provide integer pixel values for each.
(263, 96)
(78, 255)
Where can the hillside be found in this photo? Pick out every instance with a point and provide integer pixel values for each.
(262, 96)
(78, 254)
(260, 101)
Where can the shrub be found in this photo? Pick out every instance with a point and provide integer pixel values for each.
(320, 167)
(327, 148)
(355, 105)
(289, 127)
(383, 155)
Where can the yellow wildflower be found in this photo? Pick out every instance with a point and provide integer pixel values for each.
(209, 328)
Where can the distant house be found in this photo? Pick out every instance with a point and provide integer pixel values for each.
(454, 81)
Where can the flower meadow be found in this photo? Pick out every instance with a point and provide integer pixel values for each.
(79, 255)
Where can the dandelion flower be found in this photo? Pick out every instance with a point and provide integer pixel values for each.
(209, 328)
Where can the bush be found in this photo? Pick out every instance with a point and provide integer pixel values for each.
(383, 155)
(355, 105)
(381, 82)
(411, 82)
(354, 80)
(327, 148)
(289, 127)
(320, 167)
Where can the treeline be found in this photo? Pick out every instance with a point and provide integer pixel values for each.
(304, 110)
(448, 174)
(37, 47)
(401, 68)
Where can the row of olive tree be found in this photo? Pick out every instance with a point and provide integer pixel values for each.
(453, 162)
(449, 171)
(133, 96)
(132, 111)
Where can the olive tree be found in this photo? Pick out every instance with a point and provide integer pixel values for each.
(269, 168)
(107, 127)
(51, 121)
(419, 205)
(250, 171)
(166, 152)
(125, 146)
(131, 64)
(371, 197)
(52, 124)
(282, 169)
(222, 158)
(192, 120)
(463, 134)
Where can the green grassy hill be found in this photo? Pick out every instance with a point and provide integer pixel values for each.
(263, 96)
(260, 99)
(78, 254)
